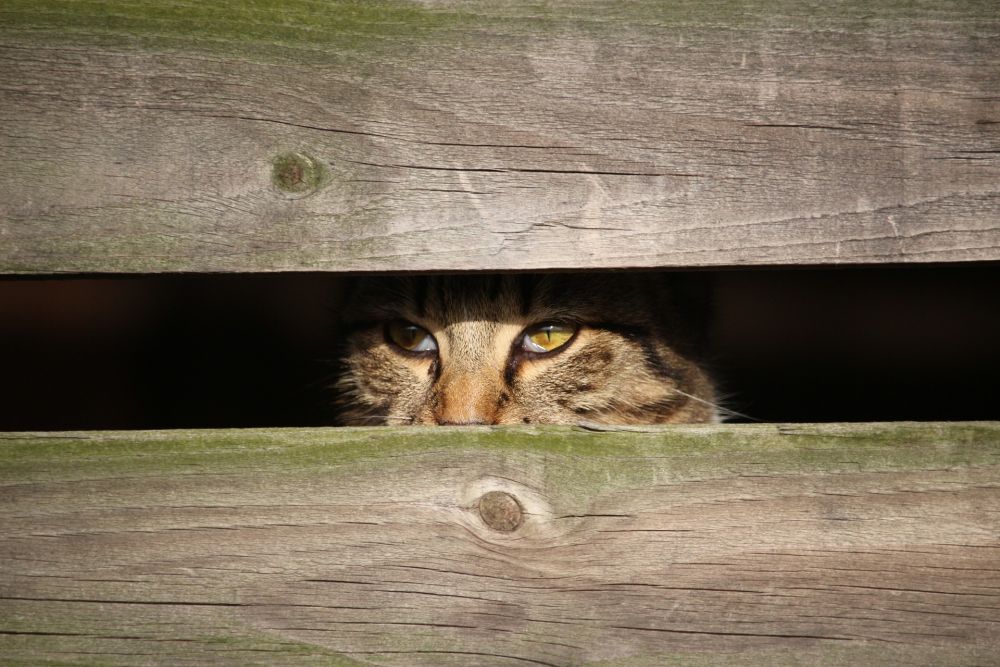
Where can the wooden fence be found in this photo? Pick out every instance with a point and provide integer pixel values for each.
(175, 136)
(143, 137)
(750, 545)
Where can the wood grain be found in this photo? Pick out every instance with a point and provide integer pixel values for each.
(737, 545)
(455, 135)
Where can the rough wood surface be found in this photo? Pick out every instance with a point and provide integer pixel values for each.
(739, 545)
(144, 136)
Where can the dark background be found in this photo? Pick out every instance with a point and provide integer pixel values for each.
(842, 344)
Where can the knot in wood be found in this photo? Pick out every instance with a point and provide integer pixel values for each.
(296, 173)
(501, 511)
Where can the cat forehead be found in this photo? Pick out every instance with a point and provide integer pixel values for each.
(455, 298)
(524, 298)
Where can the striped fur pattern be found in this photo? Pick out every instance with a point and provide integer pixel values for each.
(630, 361)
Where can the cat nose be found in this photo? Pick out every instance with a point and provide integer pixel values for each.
(465, 399)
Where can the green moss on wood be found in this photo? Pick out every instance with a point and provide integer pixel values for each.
(240, 27)
(682, 450)
(260, 26)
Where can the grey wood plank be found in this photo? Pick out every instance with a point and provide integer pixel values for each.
(459, 135)
(741, 545)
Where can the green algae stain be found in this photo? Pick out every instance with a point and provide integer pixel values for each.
(254, 26)
(602, 458)
(259, 27)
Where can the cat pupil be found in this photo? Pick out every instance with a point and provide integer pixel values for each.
(548, 337)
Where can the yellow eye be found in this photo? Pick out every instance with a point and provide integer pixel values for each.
(410, 337)
(547, 337)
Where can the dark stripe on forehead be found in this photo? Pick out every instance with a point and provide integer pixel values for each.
(375, 299)
(420, 297)
(441, 293)
(460, 295)
(494, 285)
(527, 285)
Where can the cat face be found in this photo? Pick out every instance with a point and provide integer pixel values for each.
(518, 349)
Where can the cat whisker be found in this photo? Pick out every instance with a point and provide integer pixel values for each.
(723, 412)
(381, 419)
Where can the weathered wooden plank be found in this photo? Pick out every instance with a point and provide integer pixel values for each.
(749, 545)
(142, 136)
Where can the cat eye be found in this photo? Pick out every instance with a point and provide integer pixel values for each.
(410, 337)
(547, 337)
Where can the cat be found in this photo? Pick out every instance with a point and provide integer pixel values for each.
(521, 349)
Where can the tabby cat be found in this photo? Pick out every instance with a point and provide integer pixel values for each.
(511, 349)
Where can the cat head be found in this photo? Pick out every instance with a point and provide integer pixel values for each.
(519, 349)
